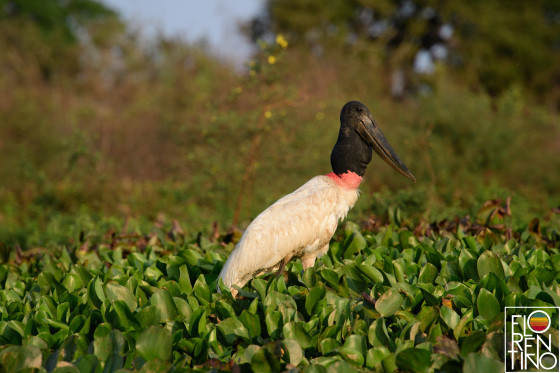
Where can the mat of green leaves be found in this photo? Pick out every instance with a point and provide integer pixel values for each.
(384, 298)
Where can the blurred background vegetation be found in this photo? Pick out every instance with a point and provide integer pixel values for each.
(97, 126)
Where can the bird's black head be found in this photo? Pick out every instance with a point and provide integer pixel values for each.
(353, 111)
(359, 134)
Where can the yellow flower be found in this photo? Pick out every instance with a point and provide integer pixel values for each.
(271, 60)
(267, 114)
(281, 41)
(252, 73)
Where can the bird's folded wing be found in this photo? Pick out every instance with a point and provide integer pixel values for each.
(292, 223)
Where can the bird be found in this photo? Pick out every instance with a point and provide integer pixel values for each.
(302, 223)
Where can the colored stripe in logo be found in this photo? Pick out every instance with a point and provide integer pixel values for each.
(539, 321)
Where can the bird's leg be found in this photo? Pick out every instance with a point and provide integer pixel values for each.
(308, 261)
(283, 265)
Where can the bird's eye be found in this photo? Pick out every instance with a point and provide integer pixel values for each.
(359, 109)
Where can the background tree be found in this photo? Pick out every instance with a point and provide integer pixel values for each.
(98, 122)
(490, 45)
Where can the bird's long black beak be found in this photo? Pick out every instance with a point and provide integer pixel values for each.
(371, 133)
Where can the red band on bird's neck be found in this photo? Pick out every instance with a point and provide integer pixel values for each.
(348, 180)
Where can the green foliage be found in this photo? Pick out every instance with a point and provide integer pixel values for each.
(397, 302)
(110, 128)
(53, 16)
(494, 45)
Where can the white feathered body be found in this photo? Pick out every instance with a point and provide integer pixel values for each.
(299, 225)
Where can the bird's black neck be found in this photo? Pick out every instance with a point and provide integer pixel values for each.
(350, 153)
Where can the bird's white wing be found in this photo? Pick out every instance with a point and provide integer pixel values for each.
(301, 220)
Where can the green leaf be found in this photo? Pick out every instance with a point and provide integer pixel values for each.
(165, 305)
(470, 243)
(148, 316)
(116, 291)
(378, 335)
(354, 244)
(315, 294)
(371, 272)
(102, 346)
(47, 282)
(183, 307)
(96, 295)
(330, 276)
(36, 341)
(356, 342)
(254, 306)
(197, 321)
(352, 356)
(184, 280)
(70, 346)
(327, 345)
(57, 324)
(264, 361)
(489, 263)
(202, 291)
(3, 272)
(429, 298)
(232, 329)
(309, 277)
(247, 354)
(122, 318)
(277, 300)
(487, 305)
(427, 316)
(375, 356)
(472, 342)
(16, 326)
(154, 343)
(389, 303)
(462, 302)
(428, 274)
(62, 311)
(251, 322)
(293, 350)
(295, 330)
(87, 363)
(398, 270)
(475, 363)
(84, 274)
(107, 342)
(470, 270)
(460, 328)
(154, 366)
(260, 286)
(413, 360)
(273, 321)
(223, 310)
(72, 282)
(354, 350)
(450, 317)
(16, 358)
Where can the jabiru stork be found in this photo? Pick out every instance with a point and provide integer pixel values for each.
(301, 224)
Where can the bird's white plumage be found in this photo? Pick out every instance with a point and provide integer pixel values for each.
(299, 225)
